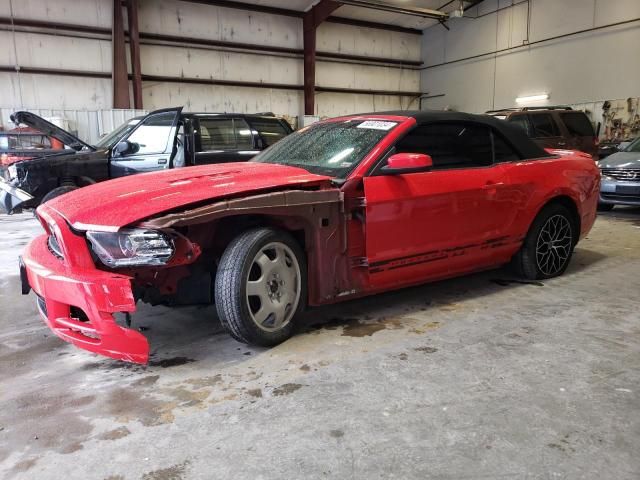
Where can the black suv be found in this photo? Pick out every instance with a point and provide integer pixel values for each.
(163, 139)
(554, 127)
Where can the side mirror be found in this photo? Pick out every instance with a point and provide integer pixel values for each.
(407, 163)
(123, 147)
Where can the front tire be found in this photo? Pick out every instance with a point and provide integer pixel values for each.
(548, 247)
(56, 192)
(261, 286)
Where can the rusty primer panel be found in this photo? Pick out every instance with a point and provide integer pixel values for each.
(248, 205)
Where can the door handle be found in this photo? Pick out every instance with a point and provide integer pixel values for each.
(162, 161)
(492, 185)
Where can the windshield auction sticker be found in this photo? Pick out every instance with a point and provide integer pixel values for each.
(377, 125)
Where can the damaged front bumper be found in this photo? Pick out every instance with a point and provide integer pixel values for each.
(78, 302)
(12, 198)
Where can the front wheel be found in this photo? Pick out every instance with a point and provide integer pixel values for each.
(549, 244)
(56, 192)
(261, 286)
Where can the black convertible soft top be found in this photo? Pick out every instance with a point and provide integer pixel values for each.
(518, 139)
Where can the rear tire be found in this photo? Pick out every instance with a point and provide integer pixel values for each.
(261, 286)
(56, 192)
(548, 246)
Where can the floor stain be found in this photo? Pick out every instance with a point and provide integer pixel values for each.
(426, 349)
(226, 398)
(109, 364)
(146, 381)
(127, 405)
(174, 472)
(171, 362)
(355, 327)
(425, 327)
(255, 392)
(116, 434)
(305, 368)
(187, 398)
(25, 465)
(336, 433)
(286, 389)
(403, 356)
(71, 447)
(202, 382)
(361, 329)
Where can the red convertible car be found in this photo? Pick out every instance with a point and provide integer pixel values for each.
(344, 208)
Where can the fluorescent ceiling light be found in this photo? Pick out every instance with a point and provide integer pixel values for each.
(532, 98)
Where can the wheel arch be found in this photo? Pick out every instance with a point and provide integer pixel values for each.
(571, 205)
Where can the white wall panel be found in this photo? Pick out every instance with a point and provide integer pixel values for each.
(188, 19)
(96, 13)
(550, 18)
(212, 64)
(366, 77)
(47, 91)
(335, 37)
(611, 11)
(48, 51)
(334, 104)
(584, 67)
(214, 98)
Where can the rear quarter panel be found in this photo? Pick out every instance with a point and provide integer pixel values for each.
(566, 174)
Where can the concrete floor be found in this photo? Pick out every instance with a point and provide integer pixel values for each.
(477, 377)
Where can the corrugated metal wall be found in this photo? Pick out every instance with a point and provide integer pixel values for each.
(88, 125)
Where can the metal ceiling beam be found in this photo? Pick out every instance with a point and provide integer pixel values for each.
(385, 7)
(299, 14)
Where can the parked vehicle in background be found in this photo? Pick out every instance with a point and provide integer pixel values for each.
(554, 127)
(24, 143)
(613, 146)
(161, 140)
(341, 209)
(620, 184)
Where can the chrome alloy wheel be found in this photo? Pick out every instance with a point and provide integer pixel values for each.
(553, 247)
(273, 286)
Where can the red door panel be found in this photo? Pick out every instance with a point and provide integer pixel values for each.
(428, 224)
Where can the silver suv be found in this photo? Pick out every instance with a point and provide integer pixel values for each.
(620, 184)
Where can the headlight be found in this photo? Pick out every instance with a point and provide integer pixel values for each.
(135, 247)
(13, 172)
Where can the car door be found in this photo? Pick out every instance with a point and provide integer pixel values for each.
(437, 222)
(223, 139)
(149, 146)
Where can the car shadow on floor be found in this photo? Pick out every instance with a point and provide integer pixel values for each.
(185, 334)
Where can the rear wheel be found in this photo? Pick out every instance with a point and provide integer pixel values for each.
(260, 286)
(548, 247)
(56, 192)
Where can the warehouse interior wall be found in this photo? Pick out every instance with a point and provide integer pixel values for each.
(487, 62)
(91, 52)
